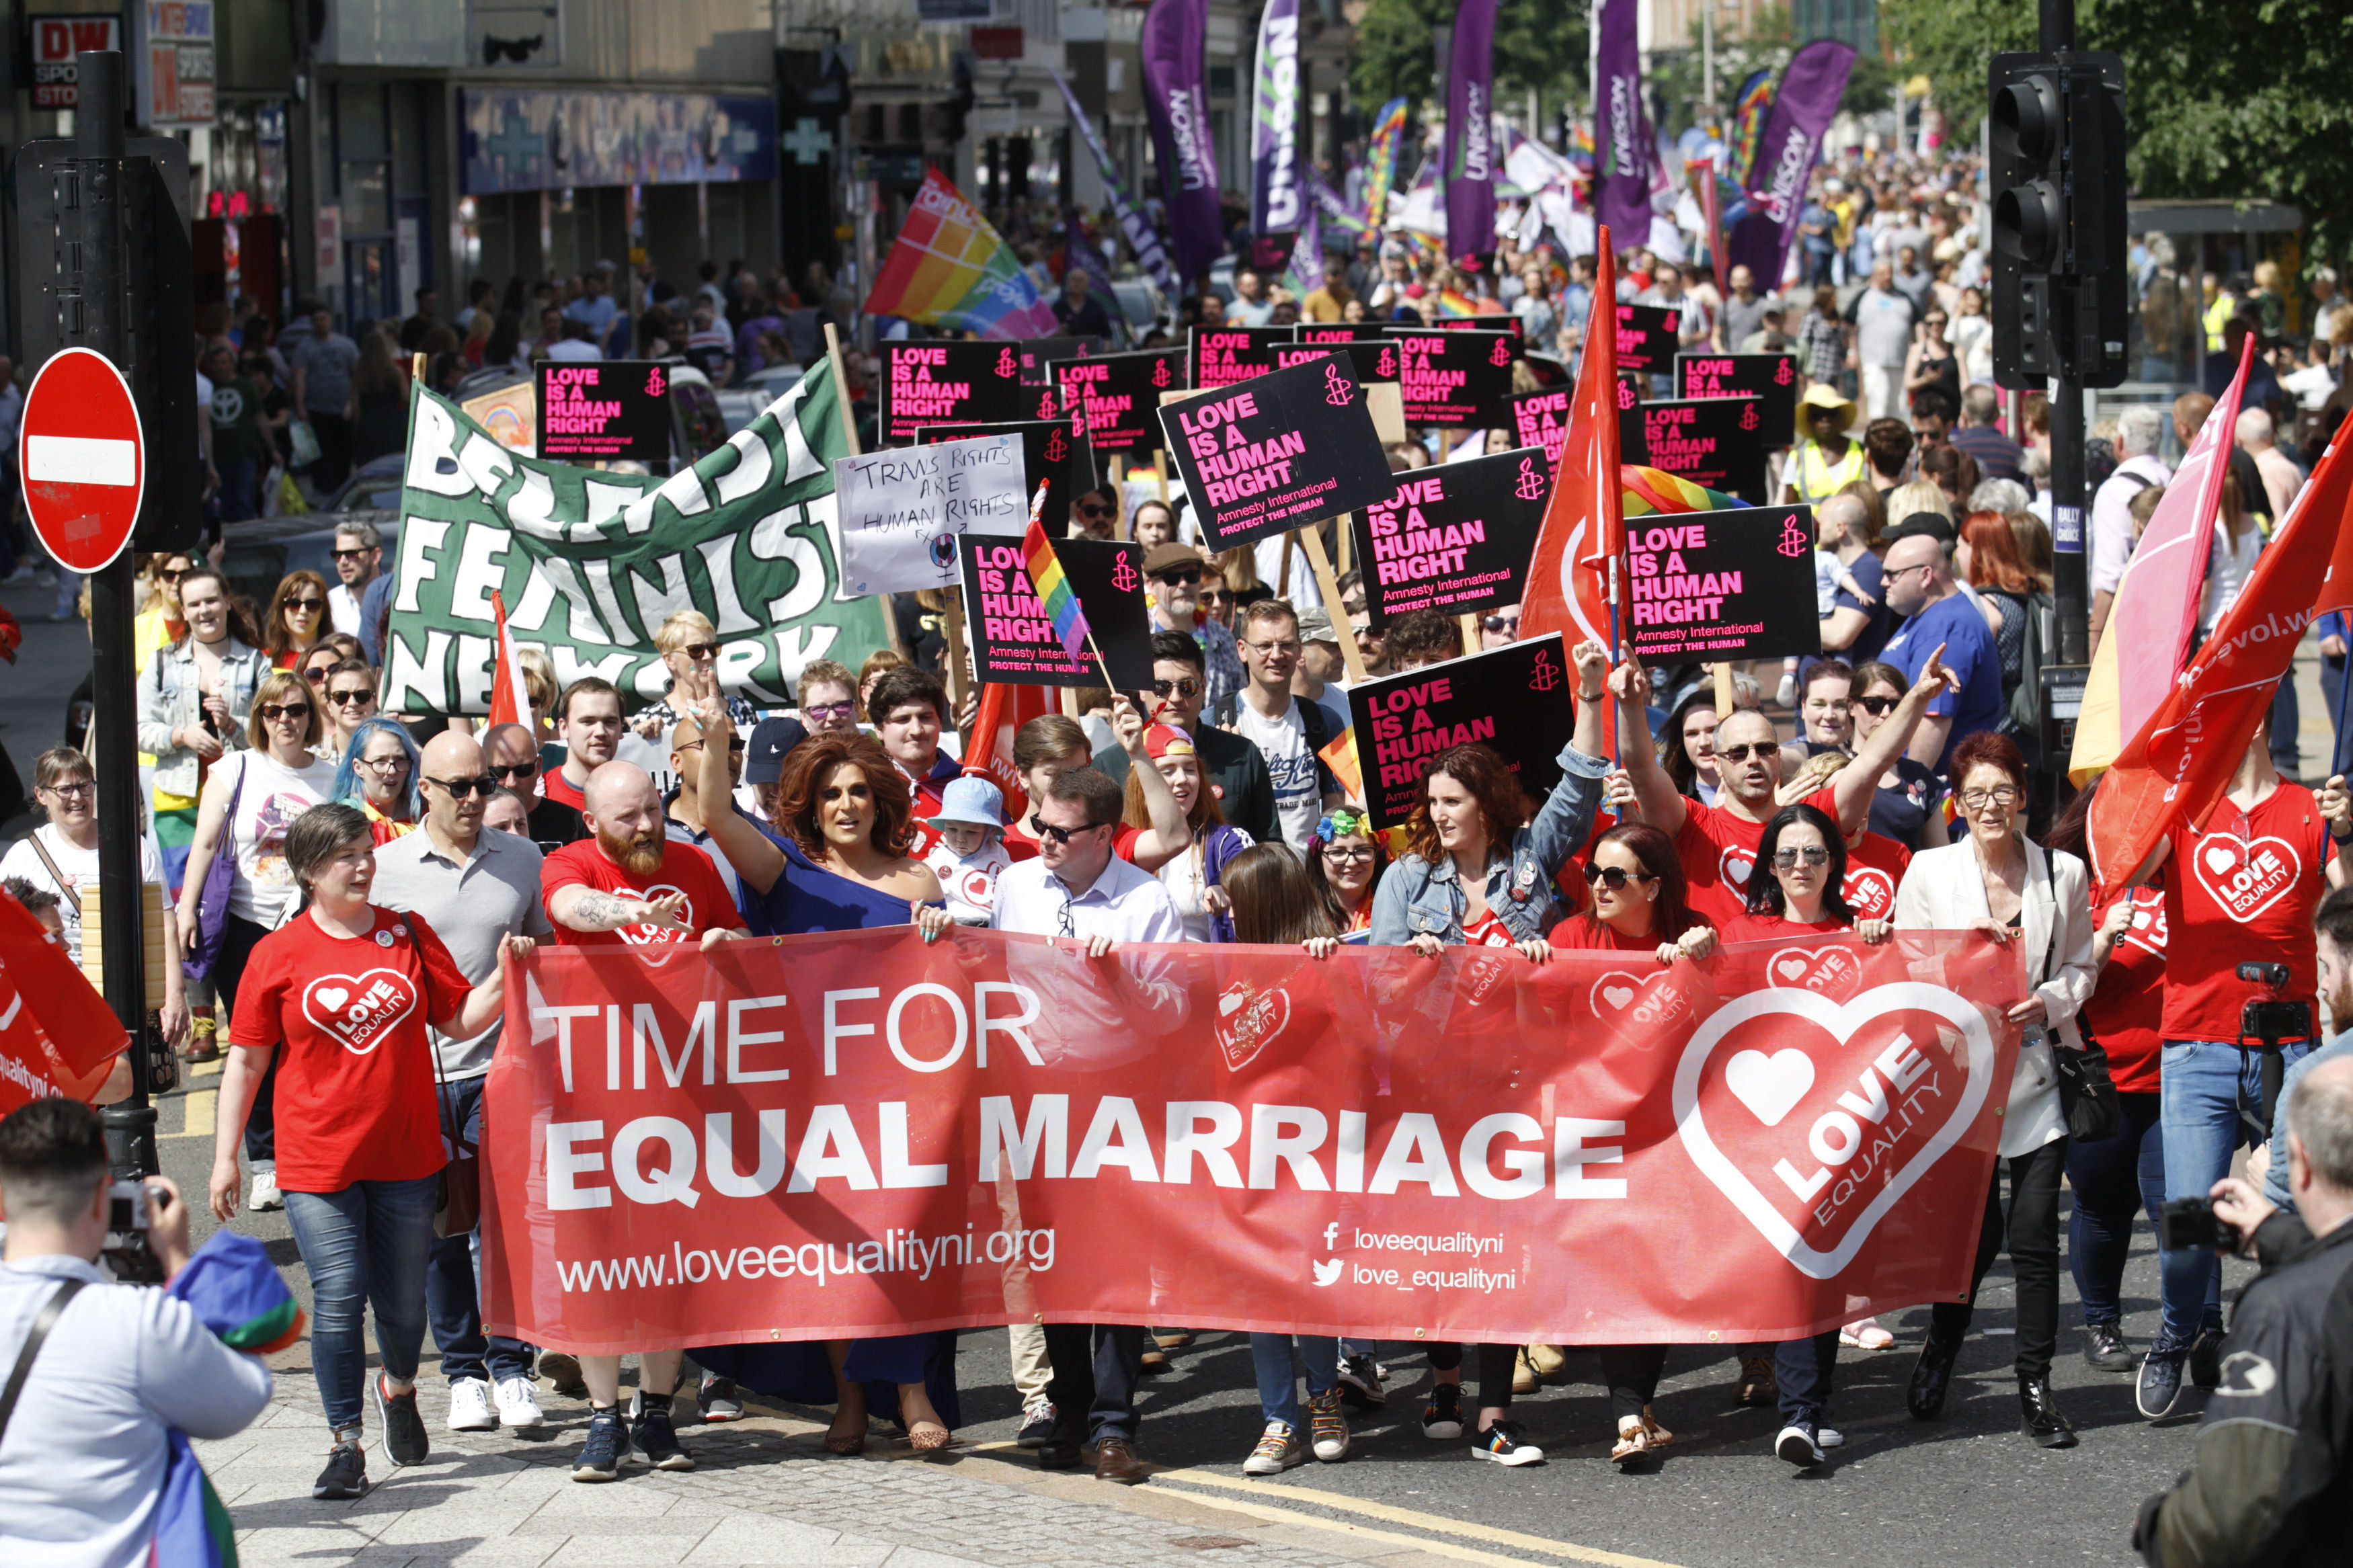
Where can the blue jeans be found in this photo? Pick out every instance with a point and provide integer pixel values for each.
(2205, 1083)
(364, 1245)
(2113, 1179)
(1278, 1385)
(451, 1297)
(1803, 1371)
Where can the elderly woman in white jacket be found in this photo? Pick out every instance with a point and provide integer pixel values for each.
(1998, 881)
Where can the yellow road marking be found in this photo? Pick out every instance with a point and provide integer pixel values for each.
(201, 1113)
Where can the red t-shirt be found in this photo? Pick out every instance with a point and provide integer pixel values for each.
(1578, 934)
(556, 786)
(2124, 1011)
(1718, 849)
(355, 1067)
(2239, 892)
(1773, 928)
(1489, 932)
(684, 870)
(1874, 868)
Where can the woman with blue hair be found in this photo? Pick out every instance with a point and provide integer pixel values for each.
(378, 774)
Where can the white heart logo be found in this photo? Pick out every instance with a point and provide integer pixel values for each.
(1791, 968)
(357, 1011)
(2221, 858)
(1839, 1020)
(1737, 868)
(331, 997)
(2247, 878)
(1618, 996)
(1770, 1085)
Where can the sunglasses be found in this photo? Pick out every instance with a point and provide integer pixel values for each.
(1741, 753)
(1098, 510)
(827, 712)
(273, 712)
(1875, 706)
(317, 675)
(1178, 576)
(514, 770)
(350, 554)
(1787, 859)
(1187, 687)
(1615, 877)
(165, 574)
(699, 652)
(345, 698)
(461, 788)
(1502, 622)
(733, 745)
(314, 605)
(1052, 834)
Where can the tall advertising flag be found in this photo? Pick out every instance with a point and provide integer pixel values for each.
(1278, 198)
(1623, 149)
(1802, 110)
(1381, 162)
(1471, 131)
(1141, 238)
(1176, 46)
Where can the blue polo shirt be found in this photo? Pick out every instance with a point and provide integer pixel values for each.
(1969, 654)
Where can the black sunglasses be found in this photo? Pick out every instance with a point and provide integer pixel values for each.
(1098, 510)
(351, 554)
(1615, 877)
(1176, 576)
(699, 651)
(275, 710)
(1046, 830)
(515, 770)
(314, 605)
(485, 786)
(344, 698)
(1874, 706)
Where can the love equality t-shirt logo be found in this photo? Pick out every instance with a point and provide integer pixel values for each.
(358, 1011)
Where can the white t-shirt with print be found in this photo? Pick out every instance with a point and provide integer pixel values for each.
(1298, 803)
(80, 869)
(272, 797)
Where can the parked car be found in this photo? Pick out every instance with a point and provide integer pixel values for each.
(740, 405)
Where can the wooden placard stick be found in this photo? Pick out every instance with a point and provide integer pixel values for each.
(1320, 565)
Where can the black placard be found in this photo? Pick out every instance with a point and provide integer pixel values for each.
(1293, 447)
(943, 383)
(1371, 359)
(1220, 356)
(1457, 539)
(1718, 442)
(1500, 321)
(1341, 332)
(1540, 419)
(1633, 440)
(605, 411)
(1013, 638)
(1051, 449)
(1121, 395)
(1709, 586)
(1648, 336)
(1771, 379)
(1515, 700)
(1457, 379)
(1040, 355)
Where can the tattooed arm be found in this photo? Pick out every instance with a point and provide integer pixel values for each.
(587, 909)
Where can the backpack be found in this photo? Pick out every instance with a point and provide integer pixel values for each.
(2041, 631)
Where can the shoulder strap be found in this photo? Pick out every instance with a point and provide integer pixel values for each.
(51, 1311)
(34, 838)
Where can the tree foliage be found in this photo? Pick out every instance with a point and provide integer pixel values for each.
(1540, 46)
(2224, 98)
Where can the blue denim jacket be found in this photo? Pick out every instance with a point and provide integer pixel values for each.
(1417, 897)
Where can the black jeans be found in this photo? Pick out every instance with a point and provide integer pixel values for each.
(1496, 1363)
(239, 939)
(1095, 1368)
(1632, 1372)
(1802, 1371)
(2114, 1179)
(2030, 1233)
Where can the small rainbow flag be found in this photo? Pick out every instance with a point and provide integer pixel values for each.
(1650, 491)
(1454, 302)
(1054, 591)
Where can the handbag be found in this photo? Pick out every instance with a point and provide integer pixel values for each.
(302, 444)
(212, 899)
(2087, 1091)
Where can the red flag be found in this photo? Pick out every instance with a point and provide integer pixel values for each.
(1003, 710)
(2180, 763)
(58, 1037)
(510, 698)
(1574, 576)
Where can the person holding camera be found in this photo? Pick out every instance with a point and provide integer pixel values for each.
(2274, 1456)
(99, 1373)
(2240, 965)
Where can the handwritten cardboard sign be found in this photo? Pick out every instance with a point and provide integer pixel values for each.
(1648, 336)
(1771, 379)
(941, 383)
(902, 509)
(1718, 442)
(1457, 539)
(1118, 393)
(614, 411)
(1293, 446)
(1375, 361)
(1012, 637)
(1220, 356)
(1515, 700)
(1458, 379)
(1051, 449)
(1709, 586)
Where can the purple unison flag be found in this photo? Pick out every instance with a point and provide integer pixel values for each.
(1471, 131)
(1176, 46)
(1623, 146)
(1277, 191)
(1802, 110)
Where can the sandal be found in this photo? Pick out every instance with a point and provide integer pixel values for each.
(1865, 1334)
(1633, 1440)
(1658, 1436)
(925, 1437)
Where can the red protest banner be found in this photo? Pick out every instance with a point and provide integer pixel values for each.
(58, 1037)
(824, 1137)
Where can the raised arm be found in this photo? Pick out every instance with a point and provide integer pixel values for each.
(753, 853)
(1592, 661)
(1662, 805)
(1854, 785)
(1170, 835)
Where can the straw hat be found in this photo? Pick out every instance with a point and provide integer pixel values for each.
(1822, 395)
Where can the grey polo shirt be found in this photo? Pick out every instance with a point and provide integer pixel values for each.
(472, 907)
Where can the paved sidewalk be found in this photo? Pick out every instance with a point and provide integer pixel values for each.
(763, 1492)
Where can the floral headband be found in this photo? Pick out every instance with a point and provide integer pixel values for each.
(1344, 824)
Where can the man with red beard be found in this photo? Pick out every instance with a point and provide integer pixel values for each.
(628, 884)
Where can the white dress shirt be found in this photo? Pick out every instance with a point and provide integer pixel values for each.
(1124, 904)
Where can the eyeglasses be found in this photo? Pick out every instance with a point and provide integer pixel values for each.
(1187, 687)
(1347, 852)
(1615, 877)
(1502, 622)
(827, 712)
(272, 711)
(1875, 706)
(1266, 649)
(699, 652)
(1053, 835)
(313, 606)
(2000, 795)
(734, 744)
(346, 698)
(1178, 576)
(461, 788)
(514, 770)
(1787, 859)
(392, 765)
(72, 791)
(1760, 749)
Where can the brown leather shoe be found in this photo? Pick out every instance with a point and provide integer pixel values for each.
(1115, 1460)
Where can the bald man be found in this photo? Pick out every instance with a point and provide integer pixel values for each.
(627, 884)
(513, 760)
(476, 888)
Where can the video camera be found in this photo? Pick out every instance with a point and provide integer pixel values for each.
(2186, 1223)
(2265, 1024)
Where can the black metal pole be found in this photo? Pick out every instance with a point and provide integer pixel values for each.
(98, 148)
(2070, 576)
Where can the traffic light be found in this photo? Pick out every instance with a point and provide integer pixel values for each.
(2056, 169)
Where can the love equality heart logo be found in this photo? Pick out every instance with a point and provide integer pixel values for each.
(2147, 930)
(2245, 878)
(1870, 893)
(1248, 1019)
(1873, 1096)
(1621, 997)
(1830, 971)
(1733, 866)
(357, 1011)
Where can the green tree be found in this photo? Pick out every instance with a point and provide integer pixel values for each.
(2223, 100)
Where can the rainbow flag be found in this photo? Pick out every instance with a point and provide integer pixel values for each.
(1339, 754)
(1381, 159)
(1653, 490)
(1054, 590)
(1750, 105)
(1454, 302)
(949, 268)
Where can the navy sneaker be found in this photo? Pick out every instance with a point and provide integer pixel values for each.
(653, 1434)
(1799, 1446)
(2206, 1359)
(608, 1444)
(2159, 1387)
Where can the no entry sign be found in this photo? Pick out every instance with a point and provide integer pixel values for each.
(83, 457)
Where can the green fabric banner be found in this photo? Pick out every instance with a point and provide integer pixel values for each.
(590, 563)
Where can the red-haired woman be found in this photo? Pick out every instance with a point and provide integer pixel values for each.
(1988, 557)
(298, 616)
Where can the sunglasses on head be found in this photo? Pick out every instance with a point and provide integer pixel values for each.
(1875, 706)
(272, 711)
(1178, 576)
(1741, 753)
(485, 786)
(1187, 687)
(1787, 859)
(1615, 877)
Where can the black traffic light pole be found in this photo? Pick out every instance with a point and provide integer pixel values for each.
(2070, 574)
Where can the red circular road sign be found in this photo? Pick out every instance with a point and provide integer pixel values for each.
(83, 459)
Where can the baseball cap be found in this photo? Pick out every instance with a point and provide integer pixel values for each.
(763, 754)
(1316, 625)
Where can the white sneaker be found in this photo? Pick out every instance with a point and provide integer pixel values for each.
(470, 1405)
(265, 1195)
(1828, 1437)
(519, 1404)
(1279, 1449)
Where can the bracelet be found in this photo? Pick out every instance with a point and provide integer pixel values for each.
(1590, 695)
